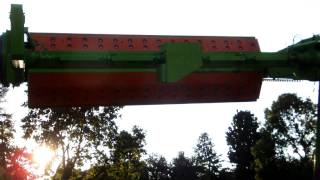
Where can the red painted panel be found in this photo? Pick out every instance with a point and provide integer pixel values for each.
(95, 42)
(92, 89)
(122, 88)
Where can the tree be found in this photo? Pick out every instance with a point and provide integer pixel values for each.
(291, 122)
(206, 158)
(126, 155)
(227, 174)
(183, 168)
(287, 143)
(15, 162)
(241, 136)
(19, 164)
(125, 158)
(270, 166)
(265, 162)
(78, 133)
(157, 168)
(6, 132)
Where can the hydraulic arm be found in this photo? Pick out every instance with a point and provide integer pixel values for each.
(91, 69)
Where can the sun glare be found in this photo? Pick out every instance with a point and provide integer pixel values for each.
(42, 156)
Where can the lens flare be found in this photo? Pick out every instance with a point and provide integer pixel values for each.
(42, 156)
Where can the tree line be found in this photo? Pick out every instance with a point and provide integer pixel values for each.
(89, 145)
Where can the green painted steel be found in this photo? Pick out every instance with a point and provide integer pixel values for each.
(16, 35)
(174, 62)
(300, 61)
(179, 60)
(10, 74)
(13, 48)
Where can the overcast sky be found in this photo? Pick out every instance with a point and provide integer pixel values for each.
(173, 128)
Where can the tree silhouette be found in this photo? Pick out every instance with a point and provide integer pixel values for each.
(287, 143)
(125, 159)
(291, 122)
(157, 168)
(183, 168)
(266, 163)
(206, 159)
(6, 132)
(126, 155)
(241, 136)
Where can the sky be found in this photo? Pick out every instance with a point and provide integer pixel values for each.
(174, 128)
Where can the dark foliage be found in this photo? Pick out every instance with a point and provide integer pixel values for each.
(287, 142)
(291, 122)
(241, 136)
(156, 168)
(124, 161)
(183, 168)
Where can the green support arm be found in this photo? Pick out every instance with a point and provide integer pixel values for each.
(300, 61)
(176, 60)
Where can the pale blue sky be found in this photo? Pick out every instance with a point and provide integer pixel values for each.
(173, 128)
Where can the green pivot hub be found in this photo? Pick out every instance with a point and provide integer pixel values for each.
(181, 59)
